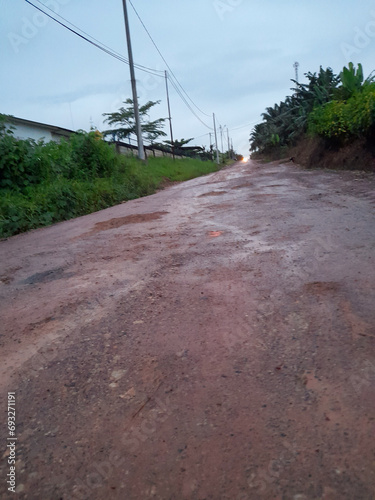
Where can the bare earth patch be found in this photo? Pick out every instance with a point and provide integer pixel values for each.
(122, 221)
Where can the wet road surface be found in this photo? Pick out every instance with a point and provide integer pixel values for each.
(212, 341)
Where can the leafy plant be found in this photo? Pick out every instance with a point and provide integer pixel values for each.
(124, 120)
(351, 79)
(60, 198)
(345, 119)
(337, 107)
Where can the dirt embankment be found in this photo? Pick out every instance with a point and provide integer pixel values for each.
(316, 153)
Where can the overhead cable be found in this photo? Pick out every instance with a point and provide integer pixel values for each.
(243, 126)
(187, 104)
(95, 42)
(161, 55)
(116, 55)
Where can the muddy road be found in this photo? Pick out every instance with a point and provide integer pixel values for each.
(212, 341)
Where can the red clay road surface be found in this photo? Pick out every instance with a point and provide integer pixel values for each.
(212, 341)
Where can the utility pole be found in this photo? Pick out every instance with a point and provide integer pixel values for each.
(229, 155)
(141, 151)
(217, 148)
(296, 66)
(169, 113)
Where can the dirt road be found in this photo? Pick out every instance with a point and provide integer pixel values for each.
(212, 341)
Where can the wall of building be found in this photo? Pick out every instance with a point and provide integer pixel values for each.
(23, 131)
(37, 131)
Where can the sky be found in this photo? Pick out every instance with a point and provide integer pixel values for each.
(233, 58)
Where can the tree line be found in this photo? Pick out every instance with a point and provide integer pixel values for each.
(337, 107)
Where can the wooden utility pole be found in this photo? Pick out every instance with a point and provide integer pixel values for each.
(169, 113)
(141, 150)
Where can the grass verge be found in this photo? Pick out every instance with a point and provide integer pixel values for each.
(62, 199)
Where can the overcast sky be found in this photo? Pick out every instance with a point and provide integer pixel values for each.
(232, 57)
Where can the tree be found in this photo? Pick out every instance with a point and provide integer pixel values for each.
(178, 145)
(353, 81)
(337, 107)
(125, 122)
(284, 123)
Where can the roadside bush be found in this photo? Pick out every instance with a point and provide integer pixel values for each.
(24, 162)
(45, 183)
(18, 214)
(345, 119)
(91, 156)
(329, 120)
(18, 166)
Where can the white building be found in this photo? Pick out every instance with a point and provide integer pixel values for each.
(27, 129)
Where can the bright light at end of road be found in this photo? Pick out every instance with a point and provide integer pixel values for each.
(245, 159)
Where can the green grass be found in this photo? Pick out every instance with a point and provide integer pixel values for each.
(61, 199)
(157, 170)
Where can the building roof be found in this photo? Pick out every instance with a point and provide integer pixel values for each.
(52, 128)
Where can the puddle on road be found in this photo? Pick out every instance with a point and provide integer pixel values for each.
(246, 184)
(221, 206)
(215, 234)
(212, 193)
(319, 287)
(47, 276)
(122, 221)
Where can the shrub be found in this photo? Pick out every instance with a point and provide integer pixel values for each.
(42, 183)
(84, 156)
(345, 119)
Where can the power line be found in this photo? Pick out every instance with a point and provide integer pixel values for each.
(203, 135)
(76, 27)
(161, 55)
(187, 104)
(112, 53)
(243, 126)
(93, 41)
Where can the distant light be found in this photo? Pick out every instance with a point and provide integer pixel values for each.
(245, 159)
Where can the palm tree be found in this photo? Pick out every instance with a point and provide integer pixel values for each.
(284, 123)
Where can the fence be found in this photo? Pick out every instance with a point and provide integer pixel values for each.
(125, 148)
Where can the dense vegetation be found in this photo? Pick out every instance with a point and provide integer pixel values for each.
(42, 183)
(338, 108)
